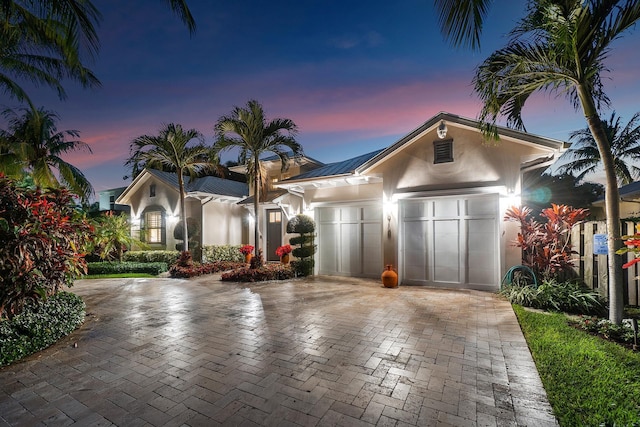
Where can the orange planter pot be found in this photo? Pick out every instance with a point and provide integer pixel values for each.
(284, 259)
(247, 258)
(389, 277)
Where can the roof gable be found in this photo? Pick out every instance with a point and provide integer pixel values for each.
(511, 135)
(207, 185)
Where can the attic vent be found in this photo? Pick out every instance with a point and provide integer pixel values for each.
(443, 151)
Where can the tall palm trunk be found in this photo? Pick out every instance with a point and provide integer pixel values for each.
(183, 213)
(256, 203)
(612, 207)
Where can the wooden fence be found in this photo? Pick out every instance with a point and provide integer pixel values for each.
(593, 268)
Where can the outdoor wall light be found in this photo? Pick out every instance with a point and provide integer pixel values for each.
(442, 130)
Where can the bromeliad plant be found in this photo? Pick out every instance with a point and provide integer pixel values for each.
(546, 247)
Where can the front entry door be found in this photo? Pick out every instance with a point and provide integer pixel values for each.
(274, 234)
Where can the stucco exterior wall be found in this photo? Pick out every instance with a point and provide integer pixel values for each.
(223, 224)
(474, 164)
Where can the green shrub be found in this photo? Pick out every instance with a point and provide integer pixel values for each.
(211, 253)
(153, 268)
(622, 333)
(569, 297)
(168, 257)
(259, 274)
(40, 324)
(44, 238)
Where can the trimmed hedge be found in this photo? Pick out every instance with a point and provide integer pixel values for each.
(266, 272)
(39, 325)
(168, 257)
(211, 253)
(153, 268)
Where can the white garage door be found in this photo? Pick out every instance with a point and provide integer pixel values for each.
(450, 241)
(350, 240)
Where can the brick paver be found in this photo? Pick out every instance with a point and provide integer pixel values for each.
(316, 352)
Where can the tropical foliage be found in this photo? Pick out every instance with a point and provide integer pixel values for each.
(583, 158)
(546, 247)
(563, 189)
(43, 238)
(560, 47)
(113, 236)
(33, 145)
(552, 295)
(47, 41)
(248, 130)
(171, 149)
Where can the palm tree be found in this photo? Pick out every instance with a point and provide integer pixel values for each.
(560, 46)
(170, 150)
(46, 41)
(461, 20)
(33, 145)
(583, 158)
(248, 130)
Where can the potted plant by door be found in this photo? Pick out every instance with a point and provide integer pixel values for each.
(247, 250)
(283, 253)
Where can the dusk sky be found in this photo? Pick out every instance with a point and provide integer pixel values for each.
(353, 75)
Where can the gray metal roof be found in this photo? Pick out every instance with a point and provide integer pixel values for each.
(630, 190)
(205, 184)
(334, 169)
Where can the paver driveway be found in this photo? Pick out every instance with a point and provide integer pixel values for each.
(321, 351)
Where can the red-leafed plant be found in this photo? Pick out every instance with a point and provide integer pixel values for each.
(631, 244)
(283, 250)
(546, 247)
(43, 239)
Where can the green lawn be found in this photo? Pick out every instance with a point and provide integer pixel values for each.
(589, 381)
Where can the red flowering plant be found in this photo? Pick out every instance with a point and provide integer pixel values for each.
(246, 249)
(631, 244)
(283, 250)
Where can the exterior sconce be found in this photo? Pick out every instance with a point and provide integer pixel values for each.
(442, 130)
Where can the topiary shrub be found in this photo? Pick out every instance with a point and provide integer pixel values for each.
(40, 324)
(193, 233)
(305, 227)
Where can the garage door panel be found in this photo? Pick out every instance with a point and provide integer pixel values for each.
(350, 240)
(327, 245)
(415, 251)
(350, 255)
(450, 241)
(371, 249)
(481, 260)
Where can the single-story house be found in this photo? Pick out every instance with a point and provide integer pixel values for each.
(212, 202)
(431, 204)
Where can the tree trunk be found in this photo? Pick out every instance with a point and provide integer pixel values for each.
(612, 207)
(183, 215)
(256, 205)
